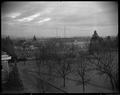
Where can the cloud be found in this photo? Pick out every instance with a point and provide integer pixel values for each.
(13, 15)
(76, 16)
(44, 20)
(29, 18)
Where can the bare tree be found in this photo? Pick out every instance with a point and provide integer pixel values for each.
(64, 67)
(46, 54)
(82, 69)
(104, 57)
(24, 54)
(107, 63)
(63, 70)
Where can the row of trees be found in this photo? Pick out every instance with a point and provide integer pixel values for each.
(105, 57)
(63, 55)
(100, 54)
(7, 45)
(49, 51)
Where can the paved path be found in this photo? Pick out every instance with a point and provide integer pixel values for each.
(30, 82)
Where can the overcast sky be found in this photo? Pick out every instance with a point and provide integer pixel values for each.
(50, 19)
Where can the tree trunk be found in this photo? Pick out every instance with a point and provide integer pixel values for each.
(50, 71)
(83, 85)
(24, 62)
(64, 81)
(117, 85)
(111, 81)
(116, 82)
(39, 67)
(43, 89)
(40, 86)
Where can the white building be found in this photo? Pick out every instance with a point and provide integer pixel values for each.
(5, 66)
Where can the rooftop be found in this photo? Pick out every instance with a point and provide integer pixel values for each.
(5, 56)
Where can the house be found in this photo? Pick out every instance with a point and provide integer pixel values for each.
(81, 45)
(27, 52)
(4, 59)
(5, 66)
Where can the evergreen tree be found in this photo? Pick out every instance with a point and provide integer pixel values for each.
(34, 38)
(8, 46)
(108, 43)
(116, 41)
(96, 43)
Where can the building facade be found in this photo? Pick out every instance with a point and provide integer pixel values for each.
(5, 66)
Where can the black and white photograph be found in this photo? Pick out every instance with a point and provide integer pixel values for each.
(59, 47)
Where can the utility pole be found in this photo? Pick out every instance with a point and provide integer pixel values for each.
(95, 21)
(56, 33)
(64, 32)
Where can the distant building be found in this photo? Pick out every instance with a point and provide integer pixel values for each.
(30, 51)
(27, 51)
(5, 66)
(5, 58)
(81, 45)
(32, 47)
